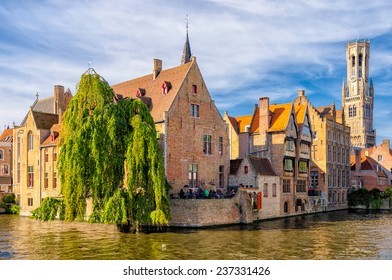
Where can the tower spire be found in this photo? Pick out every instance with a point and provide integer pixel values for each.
(186, 53)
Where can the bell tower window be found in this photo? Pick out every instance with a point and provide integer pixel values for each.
(353, 61)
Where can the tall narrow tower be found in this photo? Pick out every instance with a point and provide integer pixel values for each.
(358, 95)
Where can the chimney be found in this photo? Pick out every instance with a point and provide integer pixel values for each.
(301, 92)
(264, 118)
(386, 143)
(157, 68)
(357, 160)
(59, 101)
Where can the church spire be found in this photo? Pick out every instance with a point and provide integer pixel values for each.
(186, 53)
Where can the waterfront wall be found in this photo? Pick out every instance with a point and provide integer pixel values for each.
(211, 212)
(236, 210)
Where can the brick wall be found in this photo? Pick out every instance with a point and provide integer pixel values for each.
(209, 212)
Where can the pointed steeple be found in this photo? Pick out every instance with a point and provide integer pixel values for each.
(186, 53)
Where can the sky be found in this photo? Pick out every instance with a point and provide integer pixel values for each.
(245, 49)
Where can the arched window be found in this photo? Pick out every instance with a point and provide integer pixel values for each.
(1, 154)
(30, 139)
(360, 60)
(353, 61)
(4, 169)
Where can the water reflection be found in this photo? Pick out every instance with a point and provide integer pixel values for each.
(335, 235)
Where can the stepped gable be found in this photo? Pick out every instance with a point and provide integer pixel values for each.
(151, 88)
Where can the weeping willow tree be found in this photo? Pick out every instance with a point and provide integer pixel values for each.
(109, 154)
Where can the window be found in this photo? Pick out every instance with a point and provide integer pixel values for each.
(350, 111)
(4, 169)
(289, 145)
(334, 153)
(195, 110)
(379, 157)
(274, 190)
(360, 60)
(288, 165)
(54, 156)
(338, 155)
(303, 167)
(194, 89)
(207, 145)
(54, 180)
(221, 145)
(1, 154)
(286, 186)
(30, 176)
(18, 148)
(30, 202)
(306, 130)
(305, 149)
(46, 183)
(286, 207)
(221, 176)
(193, 175)
(30, 138)
(314, 135)
(46, 155)
(18, 172)
(314, 179)
(265, 190)
(353, 61)
(329, 153)
(354, 111)
(301, 186)
(246, 169)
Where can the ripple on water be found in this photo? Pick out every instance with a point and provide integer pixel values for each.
(323, 236)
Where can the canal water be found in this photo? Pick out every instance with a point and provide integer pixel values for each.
(335, 235)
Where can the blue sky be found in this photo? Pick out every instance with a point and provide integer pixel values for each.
(245, 49)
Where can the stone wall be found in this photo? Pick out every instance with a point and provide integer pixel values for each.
(211, 212)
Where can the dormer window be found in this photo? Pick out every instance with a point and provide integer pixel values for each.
(140, 92)
(194, 89)
(166, 86)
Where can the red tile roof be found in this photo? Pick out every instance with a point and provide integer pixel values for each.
(153, 88)
(7, 135)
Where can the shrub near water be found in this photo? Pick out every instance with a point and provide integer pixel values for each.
(101, 141)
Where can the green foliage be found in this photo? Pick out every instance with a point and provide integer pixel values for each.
(49, 210)
(109, 153)
(15, 209)
(9, 198)
(371, 199)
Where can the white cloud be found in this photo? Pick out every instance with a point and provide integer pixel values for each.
(245, 49)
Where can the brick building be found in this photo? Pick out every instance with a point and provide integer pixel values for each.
(382, 154)
(192, 133)
(368, 173)
(257, 177)
(330, 165)
(6, 139)
(35, 151)
(280, 133)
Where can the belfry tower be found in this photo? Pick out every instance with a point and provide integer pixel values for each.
(358, 95)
